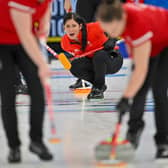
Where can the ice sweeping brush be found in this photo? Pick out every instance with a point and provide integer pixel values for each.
(114, 152)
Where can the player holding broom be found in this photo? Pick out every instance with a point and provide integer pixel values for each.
(80, 38)
(19, 46)
(88, 15)
(148, 42)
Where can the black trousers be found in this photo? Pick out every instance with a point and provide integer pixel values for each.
(157, 80)
(10, 57)
(94, 69)
(18, 77)
(87, 8)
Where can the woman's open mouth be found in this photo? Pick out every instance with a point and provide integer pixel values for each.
(72, 34)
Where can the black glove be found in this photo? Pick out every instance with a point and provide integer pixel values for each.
(110, 44)
(123, 105)
(114, 53)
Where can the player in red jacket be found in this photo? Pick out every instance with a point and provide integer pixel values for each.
(80, 38)
(88, 15)
(19, 33)
(148, 42)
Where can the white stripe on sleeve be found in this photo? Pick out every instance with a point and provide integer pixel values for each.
(142, 39)
(20, 7)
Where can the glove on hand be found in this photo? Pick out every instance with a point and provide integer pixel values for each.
(123, 105)
(115, 53)
(110, 44)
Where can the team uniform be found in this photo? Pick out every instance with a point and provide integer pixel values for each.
(95, 39)
(11, 54)
(141, 27)
(35, 7)
(93, 67)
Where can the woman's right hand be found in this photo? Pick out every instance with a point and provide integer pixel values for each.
(44, 73)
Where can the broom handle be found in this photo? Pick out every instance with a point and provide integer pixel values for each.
(50, 107)
(89, 52)
(77, 56)
(51, 51)
(117, 128)
(65, 61)
(115, 136)
(81, 55)
(92, 51)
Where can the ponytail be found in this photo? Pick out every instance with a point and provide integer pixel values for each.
(81, 21)
(84, 35)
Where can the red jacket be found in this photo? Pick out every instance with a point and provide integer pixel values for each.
(8, 33)
(142, 25)
(95, 39)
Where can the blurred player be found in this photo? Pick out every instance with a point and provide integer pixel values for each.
(148, 42)
(19, 47)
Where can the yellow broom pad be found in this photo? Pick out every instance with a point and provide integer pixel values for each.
(64, 61)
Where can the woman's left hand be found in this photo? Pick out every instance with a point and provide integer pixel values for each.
(110, 44)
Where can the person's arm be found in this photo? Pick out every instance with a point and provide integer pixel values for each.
(28, 40)
(67, 5)
(44, 25)
(141, 55)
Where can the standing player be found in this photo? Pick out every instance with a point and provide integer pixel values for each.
(148, 43)
(19, 47)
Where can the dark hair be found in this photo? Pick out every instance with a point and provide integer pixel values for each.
(110, 10)
(79, 20)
